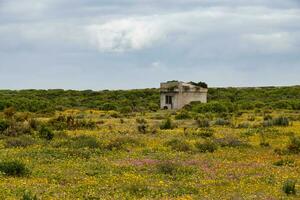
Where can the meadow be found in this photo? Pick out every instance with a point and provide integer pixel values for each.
(244, 144)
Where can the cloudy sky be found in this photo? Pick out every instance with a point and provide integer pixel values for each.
(122, 44)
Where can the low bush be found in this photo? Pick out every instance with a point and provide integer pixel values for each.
(267, 117)
(294, 145)
(3, 126)
(22, 141)
(178, 145)
(137, 189)
(244, 125)
(166, 124)
(284, 162)
(183, 115)
(46, 133)
(121, 143)
(142, 125)
(222, 122)
(202, 122)
(279, 121)
(231, 142)
(167, 168)
(85, 141)
(207, 146)
(289, 187)
(14, 168)
(29, 196)
(204, 133)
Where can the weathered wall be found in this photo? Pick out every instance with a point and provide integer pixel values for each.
(188, 97)
(175, 99)
(182, 99)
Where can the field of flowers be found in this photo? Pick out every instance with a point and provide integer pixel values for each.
(107, 155)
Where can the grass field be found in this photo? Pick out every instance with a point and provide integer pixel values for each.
(135, 157)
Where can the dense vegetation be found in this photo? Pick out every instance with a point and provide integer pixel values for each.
(243, 144)
(221, 99)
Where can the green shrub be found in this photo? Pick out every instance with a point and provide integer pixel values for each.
(167, 168)
(183, 115)
(137, 189)
(244, 125)
(3, 126)
(142, 128)
(178, 145)
(204, 133)
(281, 121)
(22, 141)
(85, 141)
(46, 133)
(231, 142)
(289, 187)
(222, 122)
(14, 168)
(202, 123)
(121, 143)
(207, 146)
(268, 117)
(108, 106)
(166, 124)
(142, 125)
(29, 196)
(263, 140)
(294, 145)
(284, 162)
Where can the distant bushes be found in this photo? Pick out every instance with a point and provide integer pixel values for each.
(213, 107)
(63, 122)
(220, 99)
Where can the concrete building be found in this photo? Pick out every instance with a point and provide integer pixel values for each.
(175, 94)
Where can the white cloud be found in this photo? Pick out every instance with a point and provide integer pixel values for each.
(126, 34)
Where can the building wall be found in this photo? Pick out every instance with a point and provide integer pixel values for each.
(182, 99)
(188, 97)
(175, 99)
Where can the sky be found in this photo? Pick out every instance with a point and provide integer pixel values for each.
(127, 44)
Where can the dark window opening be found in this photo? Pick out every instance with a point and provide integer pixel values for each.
(168, 99)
